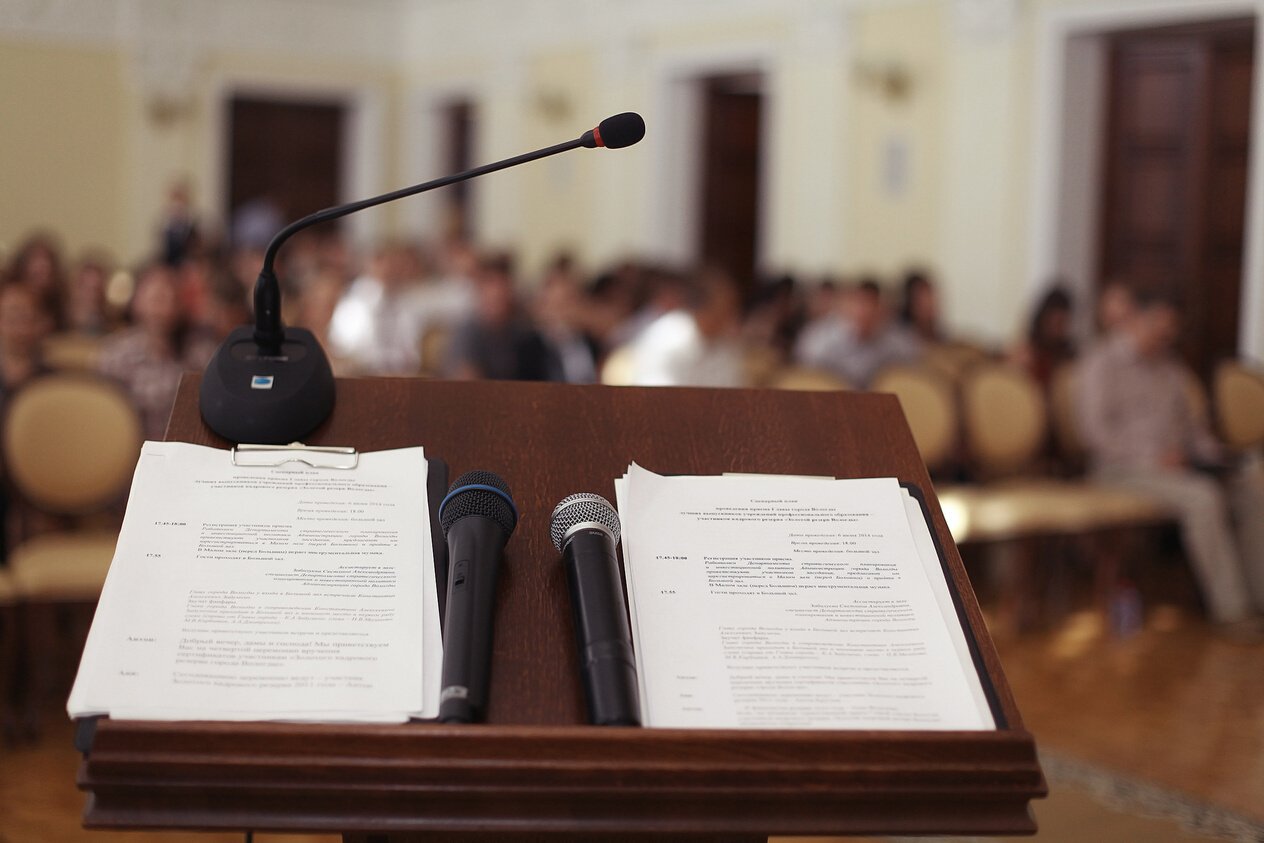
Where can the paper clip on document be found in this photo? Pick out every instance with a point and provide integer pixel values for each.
(316, 456)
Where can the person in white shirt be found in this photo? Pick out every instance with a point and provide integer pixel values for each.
(696, 345)
(378, 324)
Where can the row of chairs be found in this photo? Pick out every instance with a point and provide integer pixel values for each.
(70, 443)
(999, 421)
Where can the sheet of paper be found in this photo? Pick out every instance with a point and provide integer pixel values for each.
(279, 593)
(779, 602)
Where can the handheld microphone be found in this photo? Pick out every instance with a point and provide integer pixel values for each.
(477, 516)
(272, 385)
(585, 529)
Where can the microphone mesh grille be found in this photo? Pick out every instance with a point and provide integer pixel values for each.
(463, 501)
(581, 508)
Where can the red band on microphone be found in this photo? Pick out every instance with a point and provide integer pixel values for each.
(597, 136)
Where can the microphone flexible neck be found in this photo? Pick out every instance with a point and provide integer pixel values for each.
(268, 330)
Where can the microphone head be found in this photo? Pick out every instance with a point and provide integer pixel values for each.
(583, 510)
(479, 493)
(616, 132)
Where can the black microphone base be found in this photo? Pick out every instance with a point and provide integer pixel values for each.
(251, 396)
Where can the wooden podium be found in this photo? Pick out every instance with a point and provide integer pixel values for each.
(535, 769)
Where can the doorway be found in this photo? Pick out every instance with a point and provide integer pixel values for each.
(1174, 185)
(458, 126)
(732, 118)
(289, 153)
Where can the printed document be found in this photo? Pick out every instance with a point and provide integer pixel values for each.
(791, 602)
(281, 592)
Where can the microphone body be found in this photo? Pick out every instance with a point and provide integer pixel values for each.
(477, 517)
(602, 637)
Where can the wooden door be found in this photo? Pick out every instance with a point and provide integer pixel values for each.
(458, 156)
(1175, 178)
(290, 153)
(733, 113)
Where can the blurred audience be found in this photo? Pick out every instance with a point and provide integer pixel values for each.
(499, 342)
(696, 343)
(458, 312)
(1049, 343)
(37, 264)
(24, 323)
(87, 311)
(1143, 433)
(178, 231)
(560, 312)
(377, 325)
(857, 339)
(919, 307)
(149, 357)
(774, 317)
(1115, 305)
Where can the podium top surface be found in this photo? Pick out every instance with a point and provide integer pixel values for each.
(550, 440)
(535, 766)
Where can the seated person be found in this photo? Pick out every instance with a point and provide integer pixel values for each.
(857, 341)
(694, 345)
(149, 357)
(498, 342)
(1142, 433)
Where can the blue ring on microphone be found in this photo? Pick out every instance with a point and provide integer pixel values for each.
(481, 487)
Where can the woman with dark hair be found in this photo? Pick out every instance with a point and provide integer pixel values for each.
(1048, 344)
(149, 357)
(37, 264)
(919, 307)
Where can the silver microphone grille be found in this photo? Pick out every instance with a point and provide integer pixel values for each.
(582, 508)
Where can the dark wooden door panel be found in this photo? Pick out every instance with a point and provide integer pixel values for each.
(730, 179)
(1177, 146)
(289, 152)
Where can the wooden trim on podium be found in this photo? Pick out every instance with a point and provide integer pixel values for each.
(534, 768)
(557, 779)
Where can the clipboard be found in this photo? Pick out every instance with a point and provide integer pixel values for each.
(346, 458)
(342, 458)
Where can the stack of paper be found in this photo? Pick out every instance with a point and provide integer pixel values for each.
(791, 602)
(268, 592)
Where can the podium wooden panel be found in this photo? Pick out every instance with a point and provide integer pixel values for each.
(535, 769)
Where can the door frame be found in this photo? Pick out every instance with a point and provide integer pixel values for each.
(675, 197)
(1062, 178)
(363, 139)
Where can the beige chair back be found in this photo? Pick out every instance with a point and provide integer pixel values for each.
(806, 379)
(619, 368)
(72, 352)
(1239, 397)
(954, 359)
(70, 442)
(760, 364)
(929, 406)
(1004, 417)
(434, 345)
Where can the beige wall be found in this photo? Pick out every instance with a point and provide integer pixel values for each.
(63, 144)
(951, 174)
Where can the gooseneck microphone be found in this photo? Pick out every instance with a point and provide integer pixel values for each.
(477, 516)
(585, 529)
(272, 385)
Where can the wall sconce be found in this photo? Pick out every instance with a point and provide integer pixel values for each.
(166, 75)
(891, 80)
(554, 105)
